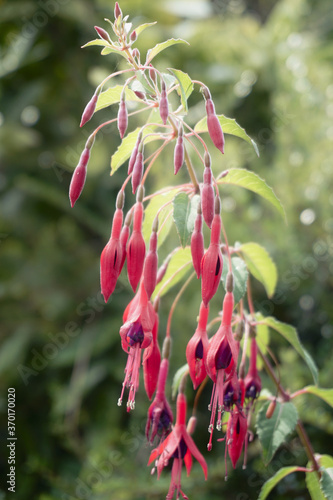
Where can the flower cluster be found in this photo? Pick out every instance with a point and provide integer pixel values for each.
(215, 357)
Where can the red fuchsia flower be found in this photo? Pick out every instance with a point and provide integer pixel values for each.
(136, 334)
(196, 350)
(151, 362)
(122, 120)
(123, 238)
(162, 270)
(151, 262)
(179, 151)
(138, 167)
(160, 415)
(197, 243)
(207, 193)
(252, 380)
(214, 126)
(212, 262)
(80, 173)
(222, 352)
(112, 255)
(136, 248)
(180, 446)
(164, 106)
(89, 110)
(132, 159)
(236, 435)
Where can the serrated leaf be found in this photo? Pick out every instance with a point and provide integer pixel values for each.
(260, 265)
(164, 218)
(184, 214)
(162, 46)
(291, 335)
(274, 431)
(229, 126)
(326, 482)
(181, 258)
(185, 86)
(142, 27)
(126, 147)
(273, 481)
(177, 378)
(112, 96)
(313, 485)
(324, 394)
(251, 181)
(321, 489)
(240, 273)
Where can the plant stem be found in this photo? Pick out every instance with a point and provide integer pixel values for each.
(191, 171)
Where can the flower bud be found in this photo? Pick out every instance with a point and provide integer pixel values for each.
(117, 11)
(133, 36)
(207, 197)
(139, 94)
(102, 34)
(136, 54)
(152, 73)
(230, 282)
(136, 248)
(124, 237)
(197, 243)
(90, 107)
(178, 155)
(80, 173)
(134, 154)
(212, 263)
(122, 120)
(214, 126)
(164, 106)
(271, 409)
(137, 169)
(150, 266)
(111, 257)
(162, 270)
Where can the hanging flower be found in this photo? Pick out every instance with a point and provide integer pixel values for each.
(196, 349)
(180, 446)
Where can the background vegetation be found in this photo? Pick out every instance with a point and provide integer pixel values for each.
(269, 65)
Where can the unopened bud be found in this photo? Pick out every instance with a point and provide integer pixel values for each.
(217, 206)
(136, 53)
(240, 331)
(207, 159)
(140, 194)
(155, 224)
(120, 200)
(166, 349)
(139, 94)
(230, 282)
(191, 425)
(102, 33)
(271, 409)
(117, 11)
(133, 36)
(152, 73)
(206, 93)
(90, 141)
(128, 218)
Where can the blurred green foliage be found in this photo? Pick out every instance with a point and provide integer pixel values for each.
(269, 65)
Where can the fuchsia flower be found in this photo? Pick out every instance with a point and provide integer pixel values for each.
(197, 243)
(151, 263)
(180, 446)
(178, 157)
(112, 255)
(222, 352)
(136, 248)
(89, 110)
(136, 334)
(252, 380)
(214, 126)
(122, 120)
(160, 415)
(134, 154)
(80, 173)
(196, 350)
(138, 168)
(212, 262)
(207, 193)
(236, 434)
(164, 106)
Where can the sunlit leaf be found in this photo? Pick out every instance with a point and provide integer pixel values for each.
(273, 481)
(112, 96)
(164, 218)
(179, 266)
(142, 27)
(260, 265)
(177, 378)
(184, 214)
(240, 273)
(162, 46)
(324, 394)
(185, 85)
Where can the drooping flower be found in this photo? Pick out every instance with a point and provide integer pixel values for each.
(89, 110)
(138, 168)
(122, 119)
(179, 151)
(151, 362)
(196, 350)
(160, 415)
(136, 334)
(213, 124)
(136, 248)
(151, 262)
(207, 193)
(212, 262)
(197, 243)
(180, 446)
(252, 380)
(236, 435)
(164, 106)
(80, 173)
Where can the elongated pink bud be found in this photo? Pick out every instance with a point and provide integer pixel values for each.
(124, 237)
(136, 248)
(137, 169)
(214, 126)
(134, 154)
(162, 270)
(212, 262)
(90, 107)
(152, 73)
(122, 121)
(197, 243)
(178, 155)
(102, 34)
(150, 267)
(80, 173)
(207, 196)
(117, 11)
(139, 94)
(111, 257)
(133, 36)
(164, 106)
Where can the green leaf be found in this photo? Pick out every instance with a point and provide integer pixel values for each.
(321, 490)
(326, 482)
(111, 50)
(126, 147)
(177, 378)
(142, 27)
(181, 258)
(229, 126)
(112, 96)
(262, 339)
(162, 46)
(273, 481)
(185, 86)
(184, 214)
(313, 485)
(240, 273)
(99, 42)
(260, 265)
(251, 181)
(274, 431)
(164, 218)
(324, 394)
(290, 334)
